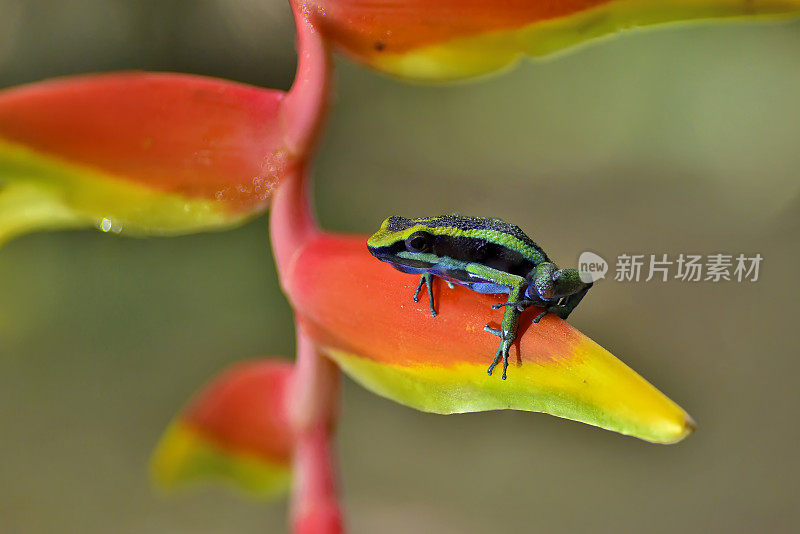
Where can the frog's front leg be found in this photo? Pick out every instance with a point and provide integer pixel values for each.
(506, 339)
(507, 332)
(427, 279)
(570, 303)
(521, 305)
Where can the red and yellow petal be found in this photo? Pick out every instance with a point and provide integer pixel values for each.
(360, 313)
(142, 153)
(450, 39)
(235, 430)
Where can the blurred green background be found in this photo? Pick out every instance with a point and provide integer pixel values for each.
(680, 140)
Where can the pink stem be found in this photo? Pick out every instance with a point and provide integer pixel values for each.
(314, 392)
(305, 106)
(313, 407)
(292, 222)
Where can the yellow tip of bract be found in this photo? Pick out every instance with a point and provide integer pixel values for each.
(589, 385)
(184, 457)
(360, 313)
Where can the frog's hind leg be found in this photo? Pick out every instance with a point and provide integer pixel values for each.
(427, 279)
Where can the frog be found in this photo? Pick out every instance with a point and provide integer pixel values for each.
(485, 255)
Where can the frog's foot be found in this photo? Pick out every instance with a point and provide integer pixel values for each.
(540, 316)
(520, 304)
(505, 344)
(426, 279)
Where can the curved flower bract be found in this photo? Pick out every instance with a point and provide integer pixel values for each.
(140, 153)
(235, 430)
(359, 312)
(450, 39)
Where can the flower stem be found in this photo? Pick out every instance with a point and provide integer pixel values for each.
(314, 393)
(306, 105)
(292, 222)
(313, 405)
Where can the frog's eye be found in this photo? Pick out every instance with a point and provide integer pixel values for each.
(418, 242)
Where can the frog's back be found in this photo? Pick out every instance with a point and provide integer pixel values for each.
(491, 241)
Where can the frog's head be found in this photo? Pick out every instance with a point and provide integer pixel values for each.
(404, 243)
(549, 283)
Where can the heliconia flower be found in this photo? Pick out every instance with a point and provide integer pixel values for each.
(235, 430)
(359, 312)
(448, 39)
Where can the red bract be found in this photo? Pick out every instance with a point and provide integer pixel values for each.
(236, 429)
(395, 27)
(360, 313)
(147, 153)
(203, 138)
(447, 39)
(139, 152)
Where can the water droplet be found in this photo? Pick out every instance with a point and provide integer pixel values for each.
(105, 225)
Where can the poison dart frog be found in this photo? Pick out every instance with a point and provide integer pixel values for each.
(486, 255)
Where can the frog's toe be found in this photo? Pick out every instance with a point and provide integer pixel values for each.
(539, 317)
(505, 348)
(495, 331)
(495, 362)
